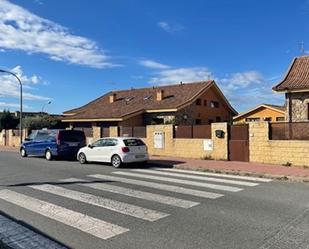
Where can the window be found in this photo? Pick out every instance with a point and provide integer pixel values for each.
(218, 119)
(268, 119)
(252, 119)
(133, 142)
(205, 102)
(198, 121)
(198, 102)
(110, 142)
(214, 104)
(280, 119)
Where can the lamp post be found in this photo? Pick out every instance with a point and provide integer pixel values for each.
(47, 103)
(21, 102)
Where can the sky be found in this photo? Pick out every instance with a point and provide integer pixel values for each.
(70, 52)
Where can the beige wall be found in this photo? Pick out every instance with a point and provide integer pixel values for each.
(190, 148)
(264, 150)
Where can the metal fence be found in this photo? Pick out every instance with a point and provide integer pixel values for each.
(289, 131)
(137, 131)
(192, 131)
(105, 132)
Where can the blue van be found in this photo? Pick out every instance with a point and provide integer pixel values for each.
(53, 143)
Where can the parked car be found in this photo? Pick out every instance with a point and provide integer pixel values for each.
(114, 150)
(53, 143)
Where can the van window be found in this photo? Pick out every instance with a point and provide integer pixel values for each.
(133, 142)
(72, 136)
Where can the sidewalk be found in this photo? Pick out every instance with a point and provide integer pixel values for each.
(240, 168)
(9, 149)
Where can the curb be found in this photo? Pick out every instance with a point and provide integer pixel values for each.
(240, 173)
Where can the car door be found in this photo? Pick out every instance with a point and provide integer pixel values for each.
(93, 151)
(110, 148)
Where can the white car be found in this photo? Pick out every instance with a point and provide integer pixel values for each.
(114, 150)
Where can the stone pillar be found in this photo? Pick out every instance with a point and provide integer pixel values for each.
(168, 140)
(96, 132)
(258, 142)
(220, 145)
(113, 131)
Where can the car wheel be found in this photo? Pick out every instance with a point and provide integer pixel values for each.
(116, 161)
(82, 158)
(48, 155)
(23, 152)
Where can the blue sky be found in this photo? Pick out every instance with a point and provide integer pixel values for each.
(70, 52)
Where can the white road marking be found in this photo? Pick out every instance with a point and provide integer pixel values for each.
(117, 206)
(202, 178)
(83, 222)
(165, 187)
(168, 200)
(248, 178)
(186, 182)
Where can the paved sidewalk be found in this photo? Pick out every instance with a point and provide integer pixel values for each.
(9, 149)
(240, 168)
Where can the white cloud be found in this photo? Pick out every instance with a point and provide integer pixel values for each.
(22, 30)
(242, 79)
(185, 74)
(153, 64)
(5, 105)
(10, 86)
(170, 28)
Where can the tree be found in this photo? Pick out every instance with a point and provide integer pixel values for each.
(40, 122)
(8, 121)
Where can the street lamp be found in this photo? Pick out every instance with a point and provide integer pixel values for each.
(47, 103)
(21, 103)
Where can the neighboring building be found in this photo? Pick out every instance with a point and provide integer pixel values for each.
(264, 112)
(295, 85)
(190, 103)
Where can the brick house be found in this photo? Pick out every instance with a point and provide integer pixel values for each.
(184, 103)
(264, 112)
(295, 85)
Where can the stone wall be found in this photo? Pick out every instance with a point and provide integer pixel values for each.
(299, 106)
(280, 152)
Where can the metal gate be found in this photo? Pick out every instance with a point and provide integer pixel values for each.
(239, 143)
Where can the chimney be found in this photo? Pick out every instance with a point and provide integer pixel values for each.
(160, 95)
(112, 98)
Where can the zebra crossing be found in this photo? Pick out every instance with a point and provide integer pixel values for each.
(199, 186)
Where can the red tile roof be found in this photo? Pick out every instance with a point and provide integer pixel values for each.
(129, 102)
(297, 77)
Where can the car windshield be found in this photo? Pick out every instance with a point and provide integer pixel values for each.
(133, 142)
(72, 136)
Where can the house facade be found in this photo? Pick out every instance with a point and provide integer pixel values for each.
(264, 112)
(295, 86)
(181, 104)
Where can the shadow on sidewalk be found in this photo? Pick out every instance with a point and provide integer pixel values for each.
(5, 218)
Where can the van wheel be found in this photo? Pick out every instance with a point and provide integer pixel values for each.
(48, 155)
(116, 161)
(23, 152)
(82, 158)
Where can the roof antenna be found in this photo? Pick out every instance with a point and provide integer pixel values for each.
(302, 47)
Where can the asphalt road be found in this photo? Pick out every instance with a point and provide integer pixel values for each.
(61, 204)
